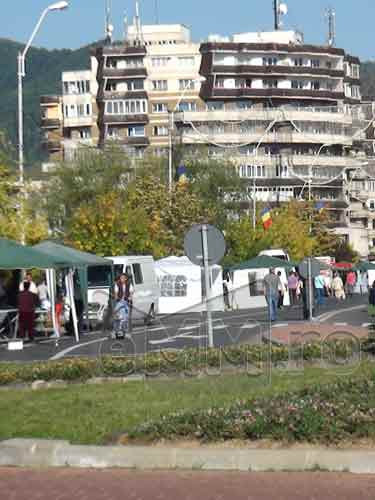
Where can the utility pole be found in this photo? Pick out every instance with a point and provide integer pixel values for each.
(254, 203)
(276, 10)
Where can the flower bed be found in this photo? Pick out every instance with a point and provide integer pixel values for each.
(185, 362)
(323, 414)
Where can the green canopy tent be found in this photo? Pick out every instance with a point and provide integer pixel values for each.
(364, 266)
(74, 260)
(262, 262)
(13, 255)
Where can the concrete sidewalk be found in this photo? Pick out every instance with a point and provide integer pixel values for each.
(44, 453)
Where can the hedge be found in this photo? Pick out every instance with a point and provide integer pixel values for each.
(325, 414)
(186, 362)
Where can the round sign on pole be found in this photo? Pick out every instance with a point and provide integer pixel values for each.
(193, 245)
(304, 268)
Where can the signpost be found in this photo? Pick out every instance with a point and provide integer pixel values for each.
(205, 246)
(309, 269)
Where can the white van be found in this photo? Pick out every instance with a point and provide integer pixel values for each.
(141, 270)
(277, 253)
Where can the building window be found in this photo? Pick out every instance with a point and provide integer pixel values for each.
(186, 84)
(270, 84)
(297, 84)
(112, 132)
(187, 106)
(157, 62)
(269, 61)
(242, 83)
(242, 105)
(136, 131)
(134, 62)
(111, 87)
(84, 133)
(315, 85)
(160, 131)
(355, 71)
(76, 87)
(253, 171)
(160, 107)
(298, 61)
(129, 106)
(282, 171)
(355, 91)
(219, 83)
(135, 85)
(160, 84)
(215, 106)
(111, 63)
(315, 63)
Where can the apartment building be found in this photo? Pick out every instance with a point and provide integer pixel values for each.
(69, 121)
(282, 110)
(287, 113)
(140, 81)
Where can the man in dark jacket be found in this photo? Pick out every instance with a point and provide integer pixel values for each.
(26, 311)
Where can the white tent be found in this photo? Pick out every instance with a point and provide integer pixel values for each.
(181, 286)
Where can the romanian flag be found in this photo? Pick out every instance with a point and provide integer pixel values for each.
(266, 218)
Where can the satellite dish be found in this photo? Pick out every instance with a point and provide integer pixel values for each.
(283, 9)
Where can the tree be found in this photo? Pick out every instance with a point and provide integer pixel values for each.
(146, 219)
(344, 252)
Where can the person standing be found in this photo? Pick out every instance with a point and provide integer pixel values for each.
(338, 287)
(32, 286)
(26, 311)
(282, 291)
(271, 284)
(319, 285)
(351, 280)
(292, 286)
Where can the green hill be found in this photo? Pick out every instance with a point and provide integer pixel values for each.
(43, 76)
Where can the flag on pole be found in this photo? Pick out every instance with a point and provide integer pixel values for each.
(266, 218)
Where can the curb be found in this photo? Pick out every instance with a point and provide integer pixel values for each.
(45, 453)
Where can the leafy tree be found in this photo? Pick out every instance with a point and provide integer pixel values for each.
(344, 252)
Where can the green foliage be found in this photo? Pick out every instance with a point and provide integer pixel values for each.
(344, 252)
(327, 413)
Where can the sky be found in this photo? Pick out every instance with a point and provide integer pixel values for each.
(83, 22)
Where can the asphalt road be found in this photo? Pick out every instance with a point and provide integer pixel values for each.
(186, 330)
(67, 484)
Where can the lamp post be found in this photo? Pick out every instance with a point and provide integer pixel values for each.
(171, 126)
(21, 74)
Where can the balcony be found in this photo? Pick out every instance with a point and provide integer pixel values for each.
(320, 161)
(129, 141)
(252, 70)
(49, 100)
(52, 146)
(210, 92)
(50, 123)
(125, 119)
(78, 121)
(124, 73)
(254, 137)
(104, 95)
(321, 114)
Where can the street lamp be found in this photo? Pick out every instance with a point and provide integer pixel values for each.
(171, 126)
(21, 73)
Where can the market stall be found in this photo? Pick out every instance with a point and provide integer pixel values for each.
(182, 286)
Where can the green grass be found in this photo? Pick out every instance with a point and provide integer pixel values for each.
(90, 414)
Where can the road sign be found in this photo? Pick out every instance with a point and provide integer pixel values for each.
(194, 244)
(304, 268)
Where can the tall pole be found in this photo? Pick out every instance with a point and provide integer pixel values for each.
(207, 285)
(276, 14)
(20, 74)
(170, 151)
(254, 204)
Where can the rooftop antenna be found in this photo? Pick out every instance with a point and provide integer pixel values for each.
(156, 11)
(280, 9)
(108, 26)
(126, 26)
(137, 22)
(331, 19)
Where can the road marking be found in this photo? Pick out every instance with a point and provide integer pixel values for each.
(280, 325)
(220, 327)
(161, 341)
(61, 354)
(249, 325)
(157, 329)
(194, 326)
(195, 337)
(340, 324)
(366, 325)
(328, 315)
